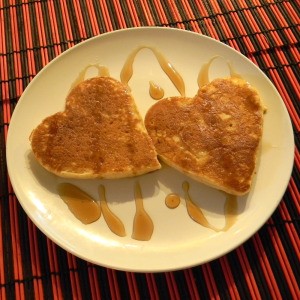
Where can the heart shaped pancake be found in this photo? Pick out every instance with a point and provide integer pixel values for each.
(213, 137)
(99, 134)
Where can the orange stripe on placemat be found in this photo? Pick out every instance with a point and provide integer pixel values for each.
(54, 28)
(147, 12)
(173, 8)
(189, 277)
(107, 18)
(280, 17)
(250, 280)
(266, 268)
(66, 23)
(210, 282)
(120, 16)
(234, 293)
(161, 13)
(284, 263)
(35, 260)
(239, 26)
(78, 12)
(292, 14)
(93, 18)
(54, 269)
(133, 13)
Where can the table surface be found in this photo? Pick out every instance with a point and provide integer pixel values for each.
(32, 33)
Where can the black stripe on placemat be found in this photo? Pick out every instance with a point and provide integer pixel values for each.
(275, 265)
(200, 282)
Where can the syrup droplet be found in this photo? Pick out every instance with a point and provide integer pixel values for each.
(142, 224)
(156, 92)
(112, 221)
(172, 200)
(83, 207)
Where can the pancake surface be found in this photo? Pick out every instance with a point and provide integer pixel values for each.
(213, 137)
(100, 134)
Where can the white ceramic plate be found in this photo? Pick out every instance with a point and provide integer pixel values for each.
(177, 241)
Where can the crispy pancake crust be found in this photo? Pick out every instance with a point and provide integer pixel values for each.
(213, 137)
(99, 134)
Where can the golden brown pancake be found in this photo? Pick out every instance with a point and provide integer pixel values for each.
(100, 134)
(213, 137)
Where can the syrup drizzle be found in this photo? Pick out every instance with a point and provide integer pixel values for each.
(196, 214)
(203, 76)
(167, 67)
(142, 224)
(82, 206)
(102, 71)
(112, 221)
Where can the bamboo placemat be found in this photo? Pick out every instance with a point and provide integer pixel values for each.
(32, 33)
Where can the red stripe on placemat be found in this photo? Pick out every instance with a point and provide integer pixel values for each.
(172, 287)
(294, 189)
(54, 269)
(29, 44)
(35, 259)
(234, 293)
(266, 268)
(16, 252)
(210, 282)
(113, 284)
(191, 284)
(2, 274)
(132, 286)
(250, 280)
(284, 262)
(75, 282)
(273, 74)
(290, 228)
(152, 285)
(94, 281)
(41, 31)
